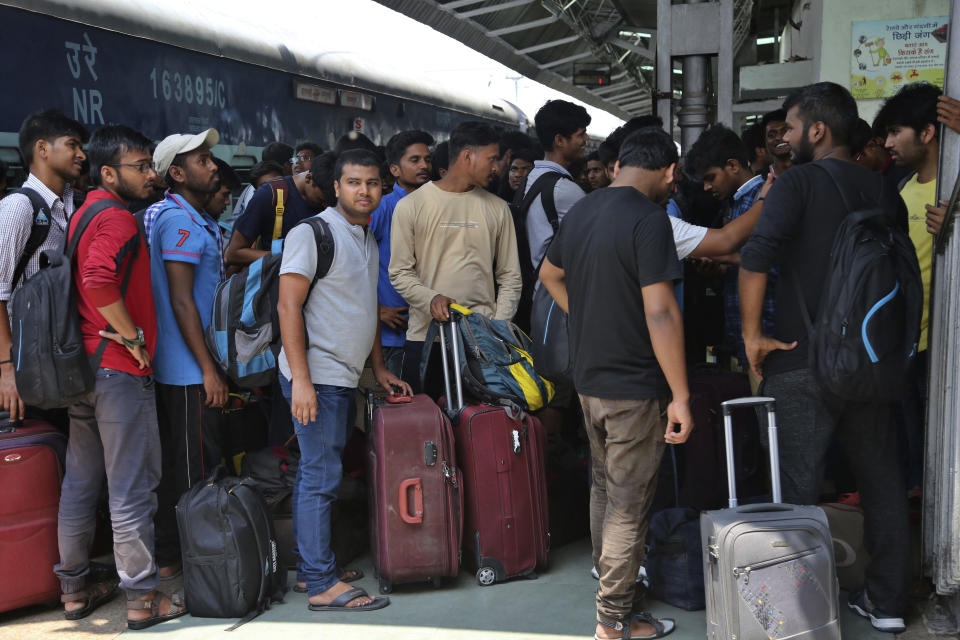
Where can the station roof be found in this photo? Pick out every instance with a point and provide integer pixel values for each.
(551, 40)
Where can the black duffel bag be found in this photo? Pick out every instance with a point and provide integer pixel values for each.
(230, 564)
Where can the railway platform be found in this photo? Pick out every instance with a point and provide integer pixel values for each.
(558, 605)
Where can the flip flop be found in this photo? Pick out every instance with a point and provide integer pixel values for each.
(94, 596)
(662, 627)
(340, 603)
(177, 609)
(358, 574)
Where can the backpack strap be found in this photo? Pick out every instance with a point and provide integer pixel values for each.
(325, 247)
(279, 188)
(543, 188)
(39, 230)
(133, 247)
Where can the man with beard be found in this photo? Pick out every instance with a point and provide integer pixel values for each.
(453, 241)
(596, 173)
(328, 332)
(113, 431)
(408, 156)
(774, 127)
(800, 218)
(186, 266)
(50, 144)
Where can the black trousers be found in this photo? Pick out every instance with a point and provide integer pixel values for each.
(190, 445)
(808, 418)
(433, 385)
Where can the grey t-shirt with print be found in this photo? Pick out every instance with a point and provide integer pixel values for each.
(341, 310)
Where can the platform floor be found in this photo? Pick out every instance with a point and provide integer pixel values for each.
(558, 605)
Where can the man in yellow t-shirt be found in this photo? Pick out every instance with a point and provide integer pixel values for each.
(909, 122)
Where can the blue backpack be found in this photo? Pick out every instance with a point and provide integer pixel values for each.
(244, 331)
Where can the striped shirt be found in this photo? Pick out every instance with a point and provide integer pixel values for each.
(16, 220)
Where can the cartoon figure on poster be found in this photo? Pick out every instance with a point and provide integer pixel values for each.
(890, 53)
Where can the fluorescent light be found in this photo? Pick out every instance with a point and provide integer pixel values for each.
(630, 34)
(679, 72)
(769, 40)
(647, 67)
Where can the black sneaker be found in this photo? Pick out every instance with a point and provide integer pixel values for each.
(860, 602)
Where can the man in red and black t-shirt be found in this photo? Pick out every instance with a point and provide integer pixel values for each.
(113, 431)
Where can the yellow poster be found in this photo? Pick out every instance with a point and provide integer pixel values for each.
(888, 54)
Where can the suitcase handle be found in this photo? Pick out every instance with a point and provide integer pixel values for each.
(455, 349)
(764, 508)
(417, 517)
(768, 405)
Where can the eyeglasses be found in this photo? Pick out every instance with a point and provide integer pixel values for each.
(303, 158)
(142, 167)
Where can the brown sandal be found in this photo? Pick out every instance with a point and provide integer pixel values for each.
(94, 596)
(177, 609)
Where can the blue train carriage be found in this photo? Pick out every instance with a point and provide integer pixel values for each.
(164, 69)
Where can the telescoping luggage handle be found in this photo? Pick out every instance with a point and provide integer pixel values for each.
(768, 405)
(451, 326)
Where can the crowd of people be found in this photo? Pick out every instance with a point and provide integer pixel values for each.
(418, 225)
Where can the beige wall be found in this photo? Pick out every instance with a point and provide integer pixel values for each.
(835, 40)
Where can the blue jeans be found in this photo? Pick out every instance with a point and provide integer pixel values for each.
(318, 481)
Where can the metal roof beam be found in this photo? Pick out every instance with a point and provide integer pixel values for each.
(522, 27)
(493, 8)
(627, 107)
(548, 45)
(456, 4)
(613, 87)
(627, 96)
(557, 63)
(642, 51)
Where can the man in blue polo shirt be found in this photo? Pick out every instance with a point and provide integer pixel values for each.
(186, 252)
(408, 154)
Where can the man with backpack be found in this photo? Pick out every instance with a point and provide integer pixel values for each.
(113, 430)
(186, 267)
(35, 221)
(329, 327)
(806, 211)
(408, 156)
(276, 207)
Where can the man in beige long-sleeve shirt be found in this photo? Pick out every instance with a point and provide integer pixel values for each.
(453, 241)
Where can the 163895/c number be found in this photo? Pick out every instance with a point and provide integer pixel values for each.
(190, 89)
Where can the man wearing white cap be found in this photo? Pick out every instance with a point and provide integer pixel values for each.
(186, 252)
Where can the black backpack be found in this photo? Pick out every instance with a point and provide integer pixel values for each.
(543, 187)
(51, 366)
(866, 332)
(231, 568)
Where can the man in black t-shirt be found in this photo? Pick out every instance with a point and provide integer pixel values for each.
(267, 218)
(611, 267)
(801, 215)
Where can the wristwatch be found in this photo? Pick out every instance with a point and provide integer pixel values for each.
(138, 341)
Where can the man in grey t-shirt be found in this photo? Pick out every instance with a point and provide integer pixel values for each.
(337, 320)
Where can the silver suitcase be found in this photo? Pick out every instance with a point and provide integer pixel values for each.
(769, 571)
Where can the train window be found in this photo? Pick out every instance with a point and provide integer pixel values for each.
(497, 107)
(16, 171)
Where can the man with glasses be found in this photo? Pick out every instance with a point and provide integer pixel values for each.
(304, 155)
(186, 252)
(113, 431)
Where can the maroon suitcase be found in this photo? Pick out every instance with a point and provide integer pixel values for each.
(415, 501)
(31, 469)
(502, 460)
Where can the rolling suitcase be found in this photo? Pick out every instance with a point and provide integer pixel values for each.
(501, 454)
(769, 569)
(31, 470)
(415, 501)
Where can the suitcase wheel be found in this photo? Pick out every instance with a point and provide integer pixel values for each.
(385, 586)
(486, 576)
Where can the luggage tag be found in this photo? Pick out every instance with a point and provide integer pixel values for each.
(515, 441)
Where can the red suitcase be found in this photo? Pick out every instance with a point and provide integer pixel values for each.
(31, 469)
(502, 459)
(415, 501)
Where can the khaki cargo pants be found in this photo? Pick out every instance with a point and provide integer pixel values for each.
(626, 444)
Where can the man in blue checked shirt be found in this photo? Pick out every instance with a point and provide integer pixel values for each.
(186, 255)
(721, 160)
